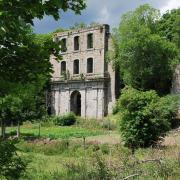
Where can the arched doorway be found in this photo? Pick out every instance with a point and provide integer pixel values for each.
(76, 102)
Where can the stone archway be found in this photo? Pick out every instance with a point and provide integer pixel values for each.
(75, 102)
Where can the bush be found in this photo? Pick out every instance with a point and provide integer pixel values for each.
(11, 165)
(65, 120)
(144, 116)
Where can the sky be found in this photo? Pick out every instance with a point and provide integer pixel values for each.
(101, 11)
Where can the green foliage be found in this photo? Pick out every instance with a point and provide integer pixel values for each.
(28, 11)
(11, 165)
(59, 30)
(145, 58)
(49, 147)
(21, 103)
(42, 38)
(102, 171)
(78, 26)
(88, 123)
(65, 120)
(108, 124)
(144, 116)
(68, 159)
(169, 26)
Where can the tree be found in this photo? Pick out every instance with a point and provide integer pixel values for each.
(24, 61)
(169, 26)
(21, 104)
(143, 56)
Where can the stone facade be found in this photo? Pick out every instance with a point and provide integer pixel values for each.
(176, 85)
(83, 82)
(176, 81)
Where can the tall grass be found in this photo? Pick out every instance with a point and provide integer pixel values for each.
(68, 159)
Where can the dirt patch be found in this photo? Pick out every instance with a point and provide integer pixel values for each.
(105, 139)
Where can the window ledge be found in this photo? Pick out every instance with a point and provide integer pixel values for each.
(90, 49)
(62, 53)
(76, 51)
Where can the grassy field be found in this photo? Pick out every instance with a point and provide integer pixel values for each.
(55, 132)
(69, 159)
(89, 151)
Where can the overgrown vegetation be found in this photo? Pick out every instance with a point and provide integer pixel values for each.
(146, 52)
(146, 60)
(11, 165)
(69, 159)
(144, 116)
(65, 120)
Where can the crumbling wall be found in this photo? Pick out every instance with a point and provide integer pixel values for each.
(176, 81)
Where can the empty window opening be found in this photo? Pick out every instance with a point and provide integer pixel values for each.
(90, 65)
(63, 67)
(76, 66)
(75, 103)
(63, 45)
(76, 43)
(90, 41)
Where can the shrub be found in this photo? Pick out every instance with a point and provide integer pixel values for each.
(144, 116)
(115, 109)
(11, 165)
(65, 120)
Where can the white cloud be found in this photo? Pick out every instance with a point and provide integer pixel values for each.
(102, 11)
(103, 15)
(171, 4)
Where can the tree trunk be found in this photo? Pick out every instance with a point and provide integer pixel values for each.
(3, 129)
(18, 130)
(39, 133)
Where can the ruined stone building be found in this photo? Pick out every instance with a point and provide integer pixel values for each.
(83, 81)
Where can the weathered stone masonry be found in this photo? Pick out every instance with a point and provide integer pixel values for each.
(83, 82)
(176, 81)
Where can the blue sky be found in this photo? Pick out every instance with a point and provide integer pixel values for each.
(101, 11)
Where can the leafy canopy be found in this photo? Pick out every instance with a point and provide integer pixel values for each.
(143, 56)
(169, 26)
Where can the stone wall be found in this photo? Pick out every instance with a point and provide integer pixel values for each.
(176, 81)
(92, 98)
(176, 85)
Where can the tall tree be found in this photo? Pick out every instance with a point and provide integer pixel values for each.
(24, 61)
(169, 26)
(143, 56)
